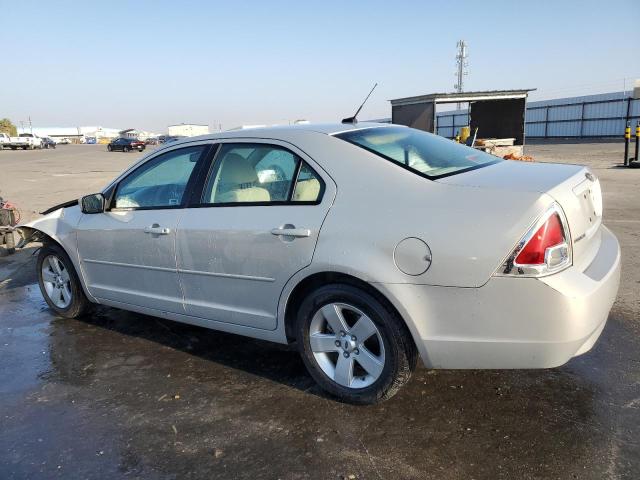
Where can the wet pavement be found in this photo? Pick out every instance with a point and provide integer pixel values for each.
(118, 394)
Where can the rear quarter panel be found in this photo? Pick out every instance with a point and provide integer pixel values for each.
(469, 230)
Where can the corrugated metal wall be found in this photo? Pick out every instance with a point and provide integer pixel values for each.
(603, 115)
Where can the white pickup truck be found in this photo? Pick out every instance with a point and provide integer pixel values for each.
(4, 140)
(25, 141)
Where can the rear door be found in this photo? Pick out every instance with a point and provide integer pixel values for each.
(254, 225)
(127, 253)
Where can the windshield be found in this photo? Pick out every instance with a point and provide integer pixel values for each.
(424, 153)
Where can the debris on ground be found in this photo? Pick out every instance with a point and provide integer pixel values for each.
(521, 158)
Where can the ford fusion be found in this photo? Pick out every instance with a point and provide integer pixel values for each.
(369, 246)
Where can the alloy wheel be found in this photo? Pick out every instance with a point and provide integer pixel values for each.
(347, 345)
(56, 281)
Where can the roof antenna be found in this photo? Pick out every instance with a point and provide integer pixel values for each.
(354, 119)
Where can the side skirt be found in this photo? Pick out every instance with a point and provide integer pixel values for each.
(276, 336)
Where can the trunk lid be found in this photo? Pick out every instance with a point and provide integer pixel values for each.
(574, 187)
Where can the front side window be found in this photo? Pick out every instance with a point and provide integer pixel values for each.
(259, 173)
(161, 182)
(424, 153)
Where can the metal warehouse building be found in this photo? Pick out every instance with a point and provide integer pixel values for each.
(602, 115)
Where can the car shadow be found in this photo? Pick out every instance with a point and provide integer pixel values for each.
(275, 362)
(282, 364)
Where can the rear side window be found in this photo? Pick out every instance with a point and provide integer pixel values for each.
(260, 174)
(308, 186)
(426, 154)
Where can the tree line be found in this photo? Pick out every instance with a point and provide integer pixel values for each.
(6, 126)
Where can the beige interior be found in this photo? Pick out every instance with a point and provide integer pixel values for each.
(235, 182)
(307, 190)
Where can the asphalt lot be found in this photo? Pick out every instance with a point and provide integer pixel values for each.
(125, 395)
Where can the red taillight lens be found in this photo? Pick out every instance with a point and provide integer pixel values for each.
(548, 235)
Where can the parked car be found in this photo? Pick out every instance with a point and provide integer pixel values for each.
(64, 141)
(5, 140)
(368, 245)
(90, 140)
(125, 145)
(151, 141)
(26, 141)
(48, 142)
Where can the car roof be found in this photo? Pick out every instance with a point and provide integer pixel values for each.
(285, 130)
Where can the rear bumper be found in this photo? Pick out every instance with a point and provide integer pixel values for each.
(513, 322)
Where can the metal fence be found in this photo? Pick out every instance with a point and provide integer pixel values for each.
(603, 115)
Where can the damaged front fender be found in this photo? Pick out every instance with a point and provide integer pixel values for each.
(59, 225)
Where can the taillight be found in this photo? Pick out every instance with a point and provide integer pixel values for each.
(545, 249)
(548, 235)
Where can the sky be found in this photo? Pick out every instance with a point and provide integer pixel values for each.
(149, 64)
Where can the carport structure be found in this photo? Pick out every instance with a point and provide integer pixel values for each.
(495, 113)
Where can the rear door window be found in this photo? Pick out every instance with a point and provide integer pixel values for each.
(260, 174)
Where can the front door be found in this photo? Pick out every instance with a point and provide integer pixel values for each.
(255, 225)
(128, 252)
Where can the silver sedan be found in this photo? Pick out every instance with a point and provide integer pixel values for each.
(369, 246)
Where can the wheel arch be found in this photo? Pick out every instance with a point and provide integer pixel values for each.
(57, 227)
(318, 279)
(37, 235)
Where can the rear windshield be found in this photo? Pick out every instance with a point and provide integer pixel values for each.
(424, 153)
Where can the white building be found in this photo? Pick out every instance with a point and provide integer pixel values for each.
(188, 130)
(79, 134)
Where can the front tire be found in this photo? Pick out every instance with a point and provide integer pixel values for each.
(59, 283)
(353, 345)
(109, 148)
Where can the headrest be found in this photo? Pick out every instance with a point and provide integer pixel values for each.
(237, 170)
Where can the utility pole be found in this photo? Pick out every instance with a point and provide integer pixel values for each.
(461, 62)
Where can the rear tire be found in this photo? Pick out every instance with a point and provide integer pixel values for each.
(378, 363)
(125, 149)
(59, 282)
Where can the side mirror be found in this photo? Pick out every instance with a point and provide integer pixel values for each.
(93, 203)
